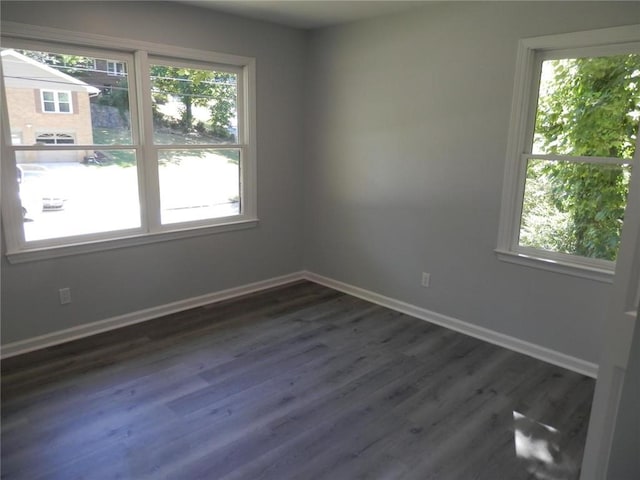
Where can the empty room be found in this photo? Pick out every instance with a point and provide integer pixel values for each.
(320, 240)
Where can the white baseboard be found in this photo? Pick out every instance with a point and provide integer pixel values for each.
(512, 343)
(81, 331)
(491, 336)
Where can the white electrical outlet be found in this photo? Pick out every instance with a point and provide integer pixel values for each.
(65, 295)
(426, 279)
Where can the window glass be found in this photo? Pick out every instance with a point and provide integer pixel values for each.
(578, 217)
(199, 184)
(64, 102)
(588, 106)
(193, 106)
(54, 138)
(65, 192)
(586, 125)
(48, 100)
(115, 68)
(69, 84)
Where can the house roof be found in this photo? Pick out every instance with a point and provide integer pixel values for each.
(21, 71)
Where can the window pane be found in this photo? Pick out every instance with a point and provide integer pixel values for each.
(192, 106)
(64, 193)
(199, 184)
(588, 107)
(54, 138)
(99, 102)
(574, 208)
(65, 139)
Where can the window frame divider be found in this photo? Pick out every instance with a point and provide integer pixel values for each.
(147, 163)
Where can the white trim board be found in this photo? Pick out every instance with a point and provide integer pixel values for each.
(496, 338)
(536, 351)
(86, 330)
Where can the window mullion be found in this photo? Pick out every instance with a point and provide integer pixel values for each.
(248, 139)
(247, 205)
(148, 162)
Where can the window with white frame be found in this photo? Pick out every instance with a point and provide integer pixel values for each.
(55, 138)
(199, 167)
(116, 68)
(168, 153)
(56, 102)
(572, 149)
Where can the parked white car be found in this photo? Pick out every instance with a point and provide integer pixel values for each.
(37, 193)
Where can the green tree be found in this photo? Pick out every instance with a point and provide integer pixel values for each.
(223, 108)
(74, 65)
(588, 107)
(205, 88)
(185, 84)
(117, 96)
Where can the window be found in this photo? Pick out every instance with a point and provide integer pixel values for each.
(571, 152)
(167, 152)
(56, 102)
(55, 138)
(203, 180)
(116, 68)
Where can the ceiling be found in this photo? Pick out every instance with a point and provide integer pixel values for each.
(307, 14)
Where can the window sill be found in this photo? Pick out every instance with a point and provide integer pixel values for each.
(36, 254)
(575, 270)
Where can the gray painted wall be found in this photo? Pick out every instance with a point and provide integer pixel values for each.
(407, 133)
(121, 281)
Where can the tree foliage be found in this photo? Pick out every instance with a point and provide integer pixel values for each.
(216, 91)
(205, 88)
(587, 107)
(74, 65)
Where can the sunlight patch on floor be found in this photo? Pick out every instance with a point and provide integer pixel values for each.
(537, 446)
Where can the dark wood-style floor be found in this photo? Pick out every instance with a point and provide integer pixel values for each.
(299, 382)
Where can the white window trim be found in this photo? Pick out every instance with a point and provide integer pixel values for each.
(56, 101)
(114, 72)
(513, 184)
(57, 135)
(17, 252)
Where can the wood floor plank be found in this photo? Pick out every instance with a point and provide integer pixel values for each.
(323, 416)
(297, 382)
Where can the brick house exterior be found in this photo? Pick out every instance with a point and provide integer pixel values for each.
(46, 106)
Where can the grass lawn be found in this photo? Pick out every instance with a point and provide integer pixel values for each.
(126, 158)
